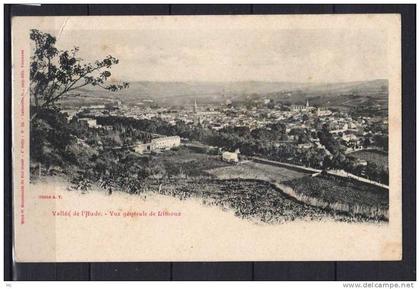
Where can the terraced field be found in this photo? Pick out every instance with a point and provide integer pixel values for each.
(264, 192)
(254, 200)
(256, 171)
(184, 162)
(342, 195)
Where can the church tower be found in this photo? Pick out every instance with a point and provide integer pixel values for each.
(307, 103)
(195, 106)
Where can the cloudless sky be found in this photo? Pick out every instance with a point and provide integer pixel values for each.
(235, 54)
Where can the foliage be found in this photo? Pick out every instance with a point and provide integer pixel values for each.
(268, 142)
(342, 195)
(55, 72)
(330, 143)
(50, 136)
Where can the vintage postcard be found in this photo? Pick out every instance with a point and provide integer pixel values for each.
(207, 138)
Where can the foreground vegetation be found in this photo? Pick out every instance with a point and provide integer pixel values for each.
(256, 171)
(341, 194)
(249, 199)
(321, 191)
(380, 159)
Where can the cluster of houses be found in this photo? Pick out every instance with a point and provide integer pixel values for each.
(350, 131)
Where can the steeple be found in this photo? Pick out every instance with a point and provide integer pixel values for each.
(307, 103)
(195, 106)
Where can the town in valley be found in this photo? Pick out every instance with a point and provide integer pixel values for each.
(270, 157)
(248, 133)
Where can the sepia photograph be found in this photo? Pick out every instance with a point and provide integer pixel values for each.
(205, 137)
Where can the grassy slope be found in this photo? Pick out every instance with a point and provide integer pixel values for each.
(243, 188)
(256, 171)
(342, 194)
(378, 158)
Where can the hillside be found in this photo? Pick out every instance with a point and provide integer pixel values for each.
(350, 93)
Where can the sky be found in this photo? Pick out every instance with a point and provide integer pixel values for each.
(215, 54)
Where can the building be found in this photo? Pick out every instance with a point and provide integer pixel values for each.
(195, 109)
(302, 108)
(158, 144)
(165, 142)
(90, 122)
(360, 162)
(297, 108)
(231, 157)
(142, 148)
(349, 137)
(70, 113)
(322, 111)
(304, 145)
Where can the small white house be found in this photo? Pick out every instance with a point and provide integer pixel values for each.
(360, 162)
(142, 148)
(304, 145)
(349, 137)
(230, 157)
(90, 122)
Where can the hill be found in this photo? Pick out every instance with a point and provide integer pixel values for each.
(348, 93)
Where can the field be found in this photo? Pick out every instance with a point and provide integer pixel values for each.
(183, 162)
(376, 157)
(342, 195)
(263, 192)
(256, 171)
(254, 200)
